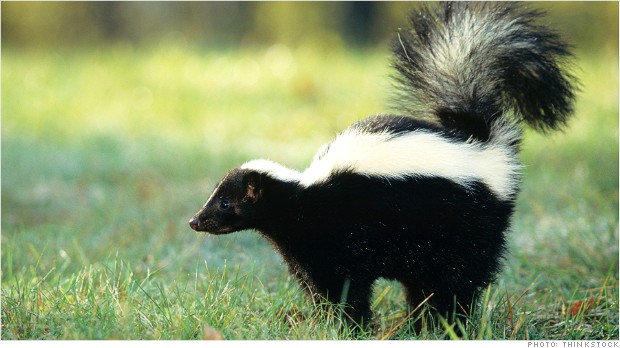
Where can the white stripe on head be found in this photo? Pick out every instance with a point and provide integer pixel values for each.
(273, 169)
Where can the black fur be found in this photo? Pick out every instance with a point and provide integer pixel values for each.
(442, 240)
(434, 236)
(399, 125)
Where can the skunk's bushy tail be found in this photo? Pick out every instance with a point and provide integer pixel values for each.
(469, 65)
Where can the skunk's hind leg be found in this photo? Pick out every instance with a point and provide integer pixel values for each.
(354, 295)
(440, 303)
(351, 293)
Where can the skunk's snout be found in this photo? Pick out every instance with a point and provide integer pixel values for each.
(193, 223)
(200, 223)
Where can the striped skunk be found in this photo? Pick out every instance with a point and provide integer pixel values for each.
(425, 199)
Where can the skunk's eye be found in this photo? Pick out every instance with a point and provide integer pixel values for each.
(224, 204)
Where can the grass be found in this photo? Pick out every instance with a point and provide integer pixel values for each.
(106, 153)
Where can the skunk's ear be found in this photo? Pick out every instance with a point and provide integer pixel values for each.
(252, 182)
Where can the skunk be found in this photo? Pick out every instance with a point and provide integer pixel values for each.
(425, 199)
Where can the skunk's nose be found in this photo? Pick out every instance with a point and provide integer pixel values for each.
(193, 223)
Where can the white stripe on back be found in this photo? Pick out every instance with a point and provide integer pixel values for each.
(419, 153)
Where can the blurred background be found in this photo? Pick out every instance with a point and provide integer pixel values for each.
(118, 119)
(233, 25)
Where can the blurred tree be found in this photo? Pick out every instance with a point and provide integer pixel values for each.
(47, 24)
(107, 16)
(358, 22)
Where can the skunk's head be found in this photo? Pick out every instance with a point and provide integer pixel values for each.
(232, 205)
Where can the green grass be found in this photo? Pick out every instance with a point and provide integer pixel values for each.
(107, 153)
